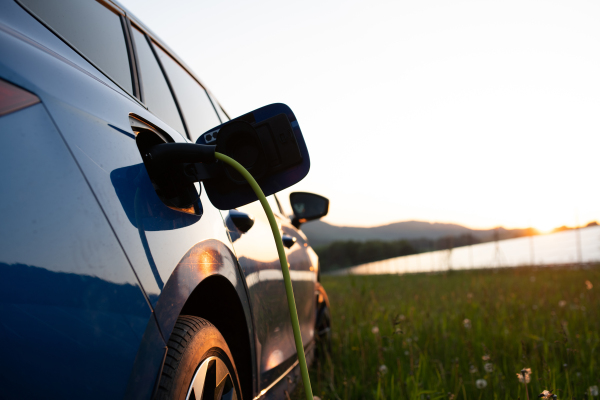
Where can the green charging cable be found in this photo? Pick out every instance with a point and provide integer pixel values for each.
(289, 291)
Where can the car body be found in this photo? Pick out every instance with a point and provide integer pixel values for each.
(95, 270)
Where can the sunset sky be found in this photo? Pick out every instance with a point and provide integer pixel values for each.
(480, 113)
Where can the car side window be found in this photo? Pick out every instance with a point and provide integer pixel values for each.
(155, 90)
(193, 100)
(92, 29)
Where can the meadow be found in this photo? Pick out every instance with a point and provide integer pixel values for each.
(463, 335)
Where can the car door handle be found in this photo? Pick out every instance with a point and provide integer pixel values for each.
(241, 220)
(288, 241)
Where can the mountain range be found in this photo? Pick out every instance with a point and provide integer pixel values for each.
(321, 233)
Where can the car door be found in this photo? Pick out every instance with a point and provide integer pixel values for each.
(257, 255)
(95, 119)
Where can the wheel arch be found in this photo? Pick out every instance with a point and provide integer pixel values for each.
(208, 283)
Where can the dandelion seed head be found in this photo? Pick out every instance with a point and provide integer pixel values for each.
(562, 303)
(383, 369)
(489, 367)
(473, 369)
(467, 323)
(524, 375)
(588, 285)
(594, 390)
(375, 330)
(481, 383)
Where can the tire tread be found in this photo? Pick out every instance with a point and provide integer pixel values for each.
(184, 330)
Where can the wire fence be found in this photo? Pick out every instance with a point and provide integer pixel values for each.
(577, 246)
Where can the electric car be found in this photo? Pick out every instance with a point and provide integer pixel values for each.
(114, 284)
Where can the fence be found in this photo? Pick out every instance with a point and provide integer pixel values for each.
(568, 247)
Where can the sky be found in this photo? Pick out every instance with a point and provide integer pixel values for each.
(481, 113)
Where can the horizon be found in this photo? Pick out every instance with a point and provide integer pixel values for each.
(478, 112)
(553, 230)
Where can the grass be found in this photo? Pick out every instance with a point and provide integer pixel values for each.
(433, 336)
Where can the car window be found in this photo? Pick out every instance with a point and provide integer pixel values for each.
(224, 118)
(155, 90)
(92, 29)
(193, 101)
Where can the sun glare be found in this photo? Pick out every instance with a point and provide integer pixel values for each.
(545, 227)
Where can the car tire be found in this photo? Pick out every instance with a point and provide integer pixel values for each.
(198, 360)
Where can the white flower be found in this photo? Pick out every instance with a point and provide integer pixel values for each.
(480, 383)
(375, 330)
(383, 369)
(467, 323)
(594, 390)
(489, 367)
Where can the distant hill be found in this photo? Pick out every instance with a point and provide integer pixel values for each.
(320, 233)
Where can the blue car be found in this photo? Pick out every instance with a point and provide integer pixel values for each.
(121, 277)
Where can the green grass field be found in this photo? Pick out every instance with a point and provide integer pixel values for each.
(463, 335)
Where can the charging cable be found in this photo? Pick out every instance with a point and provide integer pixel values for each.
(284, 268)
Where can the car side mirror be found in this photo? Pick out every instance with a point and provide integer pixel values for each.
(268, 142)
(307, 207)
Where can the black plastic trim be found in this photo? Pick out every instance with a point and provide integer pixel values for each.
(133, 59)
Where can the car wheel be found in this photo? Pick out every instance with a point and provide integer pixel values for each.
(198, 364)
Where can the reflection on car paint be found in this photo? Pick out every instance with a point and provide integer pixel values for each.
(258, 257)
(70, 304)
